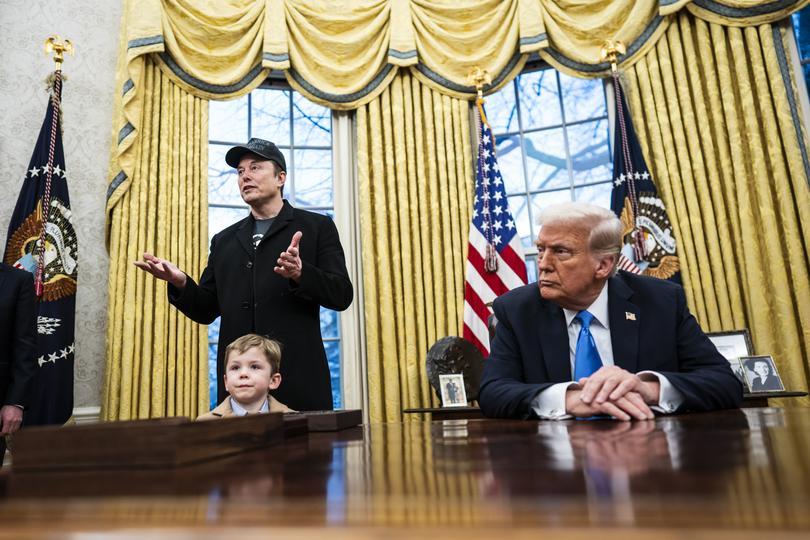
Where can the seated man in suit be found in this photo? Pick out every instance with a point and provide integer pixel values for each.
(588, 341)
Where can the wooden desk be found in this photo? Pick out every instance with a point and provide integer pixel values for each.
(728, 474)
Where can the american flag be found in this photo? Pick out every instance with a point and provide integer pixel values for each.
(495, 261)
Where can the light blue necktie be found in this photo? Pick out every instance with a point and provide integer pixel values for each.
(586, 357)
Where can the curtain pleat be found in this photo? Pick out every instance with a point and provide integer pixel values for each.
(415, 174)
(156, 357)
(713, 103)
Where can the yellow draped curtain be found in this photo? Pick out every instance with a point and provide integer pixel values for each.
(712, 107)
(414, 166)
(156, 357)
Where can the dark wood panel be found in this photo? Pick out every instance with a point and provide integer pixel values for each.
(696, 474)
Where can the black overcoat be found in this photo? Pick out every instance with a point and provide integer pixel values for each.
(240, 285)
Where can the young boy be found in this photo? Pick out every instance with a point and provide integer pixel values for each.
(251, 371)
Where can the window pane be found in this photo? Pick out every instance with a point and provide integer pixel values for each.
(545, 158)
(271, 115)
(212, 376)
(227, 120)
(333, 357)
(268, 113)
(598, 194)
(501, 110)
(219, 218)
(531, 267)
(312, 123)
(519, 207)
(582, 98)
(223, 187)
(801, 26)
(539, 99)
(313, 178)
(329, 323)
(213, 331)
(590, 155)
(510, 163)
(541, 200)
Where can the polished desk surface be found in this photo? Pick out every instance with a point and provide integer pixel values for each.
(720, 475)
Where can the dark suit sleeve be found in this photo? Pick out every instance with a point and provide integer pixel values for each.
(326, 282)
(24, 346)
(503, 393)
(198, 302)
(704, 377)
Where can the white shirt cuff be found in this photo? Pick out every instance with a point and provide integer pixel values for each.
(670, 398)
(549, 404)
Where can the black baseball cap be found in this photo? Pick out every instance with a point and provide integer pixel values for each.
(260, 147)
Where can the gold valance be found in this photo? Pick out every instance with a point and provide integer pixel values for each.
(343, 53)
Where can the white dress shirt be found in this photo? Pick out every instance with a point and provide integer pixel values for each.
(238, 410)
(550, 403)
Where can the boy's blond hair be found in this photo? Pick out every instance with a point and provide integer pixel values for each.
(269, 347)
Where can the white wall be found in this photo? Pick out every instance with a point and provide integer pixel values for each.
(87, 98)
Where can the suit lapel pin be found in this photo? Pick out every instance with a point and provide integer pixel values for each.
(629, 316)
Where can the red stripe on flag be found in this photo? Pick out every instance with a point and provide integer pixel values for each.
(472, 338)
(474, 300)
(515, 262)
(491, 279)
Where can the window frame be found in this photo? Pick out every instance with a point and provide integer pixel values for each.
(353, 388)
(533, 65)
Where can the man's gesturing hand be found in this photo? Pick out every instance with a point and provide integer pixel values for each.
(289, 262)
(162, 269)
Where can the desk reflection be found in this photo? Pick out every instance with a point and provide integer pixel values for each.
(725, 469)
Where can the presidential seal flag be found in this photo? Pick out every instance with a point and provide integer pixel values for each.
(648, 238)
(495, 261)
(41, 239)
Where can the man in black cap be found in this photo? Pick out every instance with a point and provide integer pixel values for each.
(268, 274)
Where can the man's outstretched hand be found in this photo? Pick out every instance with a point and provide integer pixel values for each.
(162, 269)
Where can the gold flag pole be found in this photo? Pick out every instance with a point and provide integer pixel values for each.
(610, 53)
(55, 46)
(478, 77)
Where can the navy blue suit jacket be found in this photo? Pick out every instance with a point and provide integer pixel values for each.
(18, 335)
(651, 329)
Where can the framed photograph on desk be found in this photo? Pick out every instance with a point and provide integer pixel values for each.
(761, 373)
(733, 345)
(453, 394)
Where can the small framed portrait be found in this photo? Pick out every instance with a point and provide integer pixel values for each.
(453, 394)
(733, 345)
(761, 374)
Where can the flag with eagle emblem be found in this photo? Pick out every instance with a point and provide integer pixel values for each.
(41, 239)
(648, 238)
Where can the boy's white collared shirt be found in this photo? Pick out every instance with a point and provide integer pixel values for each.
(238, 410)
